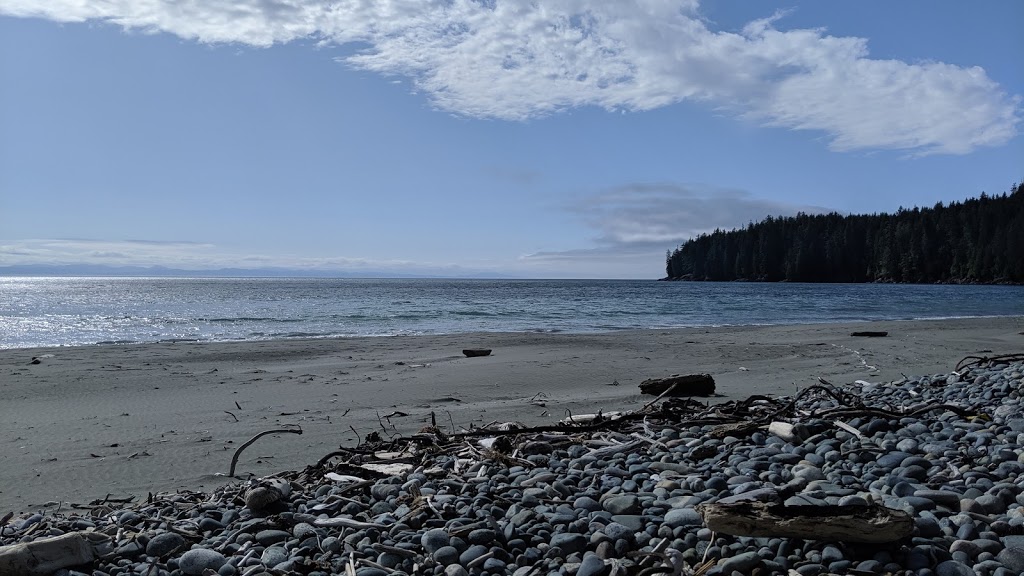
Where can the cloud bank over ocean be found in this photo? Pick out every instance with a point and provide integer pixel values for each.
(518, 60)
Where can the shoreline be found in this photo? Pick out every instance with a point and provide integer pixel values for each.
(596, 332)
(128, 419)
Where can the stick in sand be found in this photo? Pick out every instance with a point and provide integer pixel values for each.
(234, 457)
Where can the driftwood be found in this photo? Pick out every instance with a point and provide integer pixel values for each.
(680, 385)
(873, 524)
(472, 352)
(870, 334)
(238, 452)
(45, 556)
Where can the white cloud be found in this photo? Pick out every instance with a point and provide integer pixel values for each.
(518, 59)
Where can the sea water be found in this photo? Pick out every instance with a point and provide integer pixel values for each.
(75, 311)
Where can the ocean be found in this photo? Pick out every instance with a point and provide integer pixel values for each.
(79, 311)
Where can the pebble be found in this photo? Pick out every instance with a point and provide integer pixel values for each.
(683, 517)
(195, 561)
(435, 539)
(591, 565)
(165, 543)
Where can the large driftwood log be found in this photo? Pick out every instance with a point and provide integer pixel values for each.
(872, 524)
(870, 334)
(45, 556)
(680, 385)
(474, 352)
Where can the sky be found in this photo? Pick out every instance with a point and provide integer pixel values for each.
(543, 139)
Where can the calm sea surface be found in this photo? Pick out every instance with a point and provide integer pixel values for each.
(72, 311)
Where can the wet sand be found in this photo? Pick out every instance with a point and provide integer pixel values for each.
(126, 420)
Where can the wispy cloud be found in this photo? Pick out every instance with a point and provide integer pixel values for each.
(636, 223)
(194, 256)
(669, 213)
(519, 59)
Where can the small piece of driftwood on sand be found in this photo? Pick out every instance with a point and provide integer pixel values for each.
(680, 385)
(870, 334)
(473, 352)
(873, 524)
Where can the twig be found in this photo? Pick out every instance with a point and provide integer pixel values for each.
(359, 440)
(660, 396)
(232, 415)
(706, 550)
(238, 452)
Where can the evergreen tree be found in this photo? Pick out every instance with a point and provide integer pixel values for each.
(977, 241)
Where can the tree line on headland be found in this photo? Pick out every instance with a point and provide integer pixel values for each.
(979, 240)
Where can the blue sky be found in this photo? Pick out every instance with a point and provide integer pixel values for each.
(547, 139)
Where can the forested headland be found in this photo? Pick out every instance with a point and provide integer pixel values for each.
(979, 240)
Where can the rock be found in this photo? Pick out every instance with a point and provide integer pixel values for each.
(195, 561)
(271, 537)
(950, 500)
(331, 544)
(622, 505)
(455, 570)
(683, 517)
(130, 549)
(472, 553)
(163, 544)
(617, 531)
(569, 543)
(591, 565)
(586, 503)
(435, 539)
(1012, 559)
(954, 568)
(446, 555)
(831, 554)
(742, 563)
(273, 555)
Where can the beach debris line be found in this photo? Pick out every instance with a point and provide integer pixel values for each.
(665, 489)
(475, 352)
(680, 385)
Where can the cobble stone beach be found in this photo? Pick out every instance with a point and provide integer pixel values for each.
(641, 492)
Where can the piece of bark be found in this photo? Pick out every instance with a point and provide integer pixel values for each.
(473, 352)
(45, 556)
(872, 524)
(680, 385)
(870, 334)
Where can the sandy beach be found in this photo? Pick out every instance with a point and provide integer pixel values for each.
(125, 420)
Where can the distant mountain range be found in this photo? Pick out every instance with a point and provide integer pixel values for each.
(164, 272)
